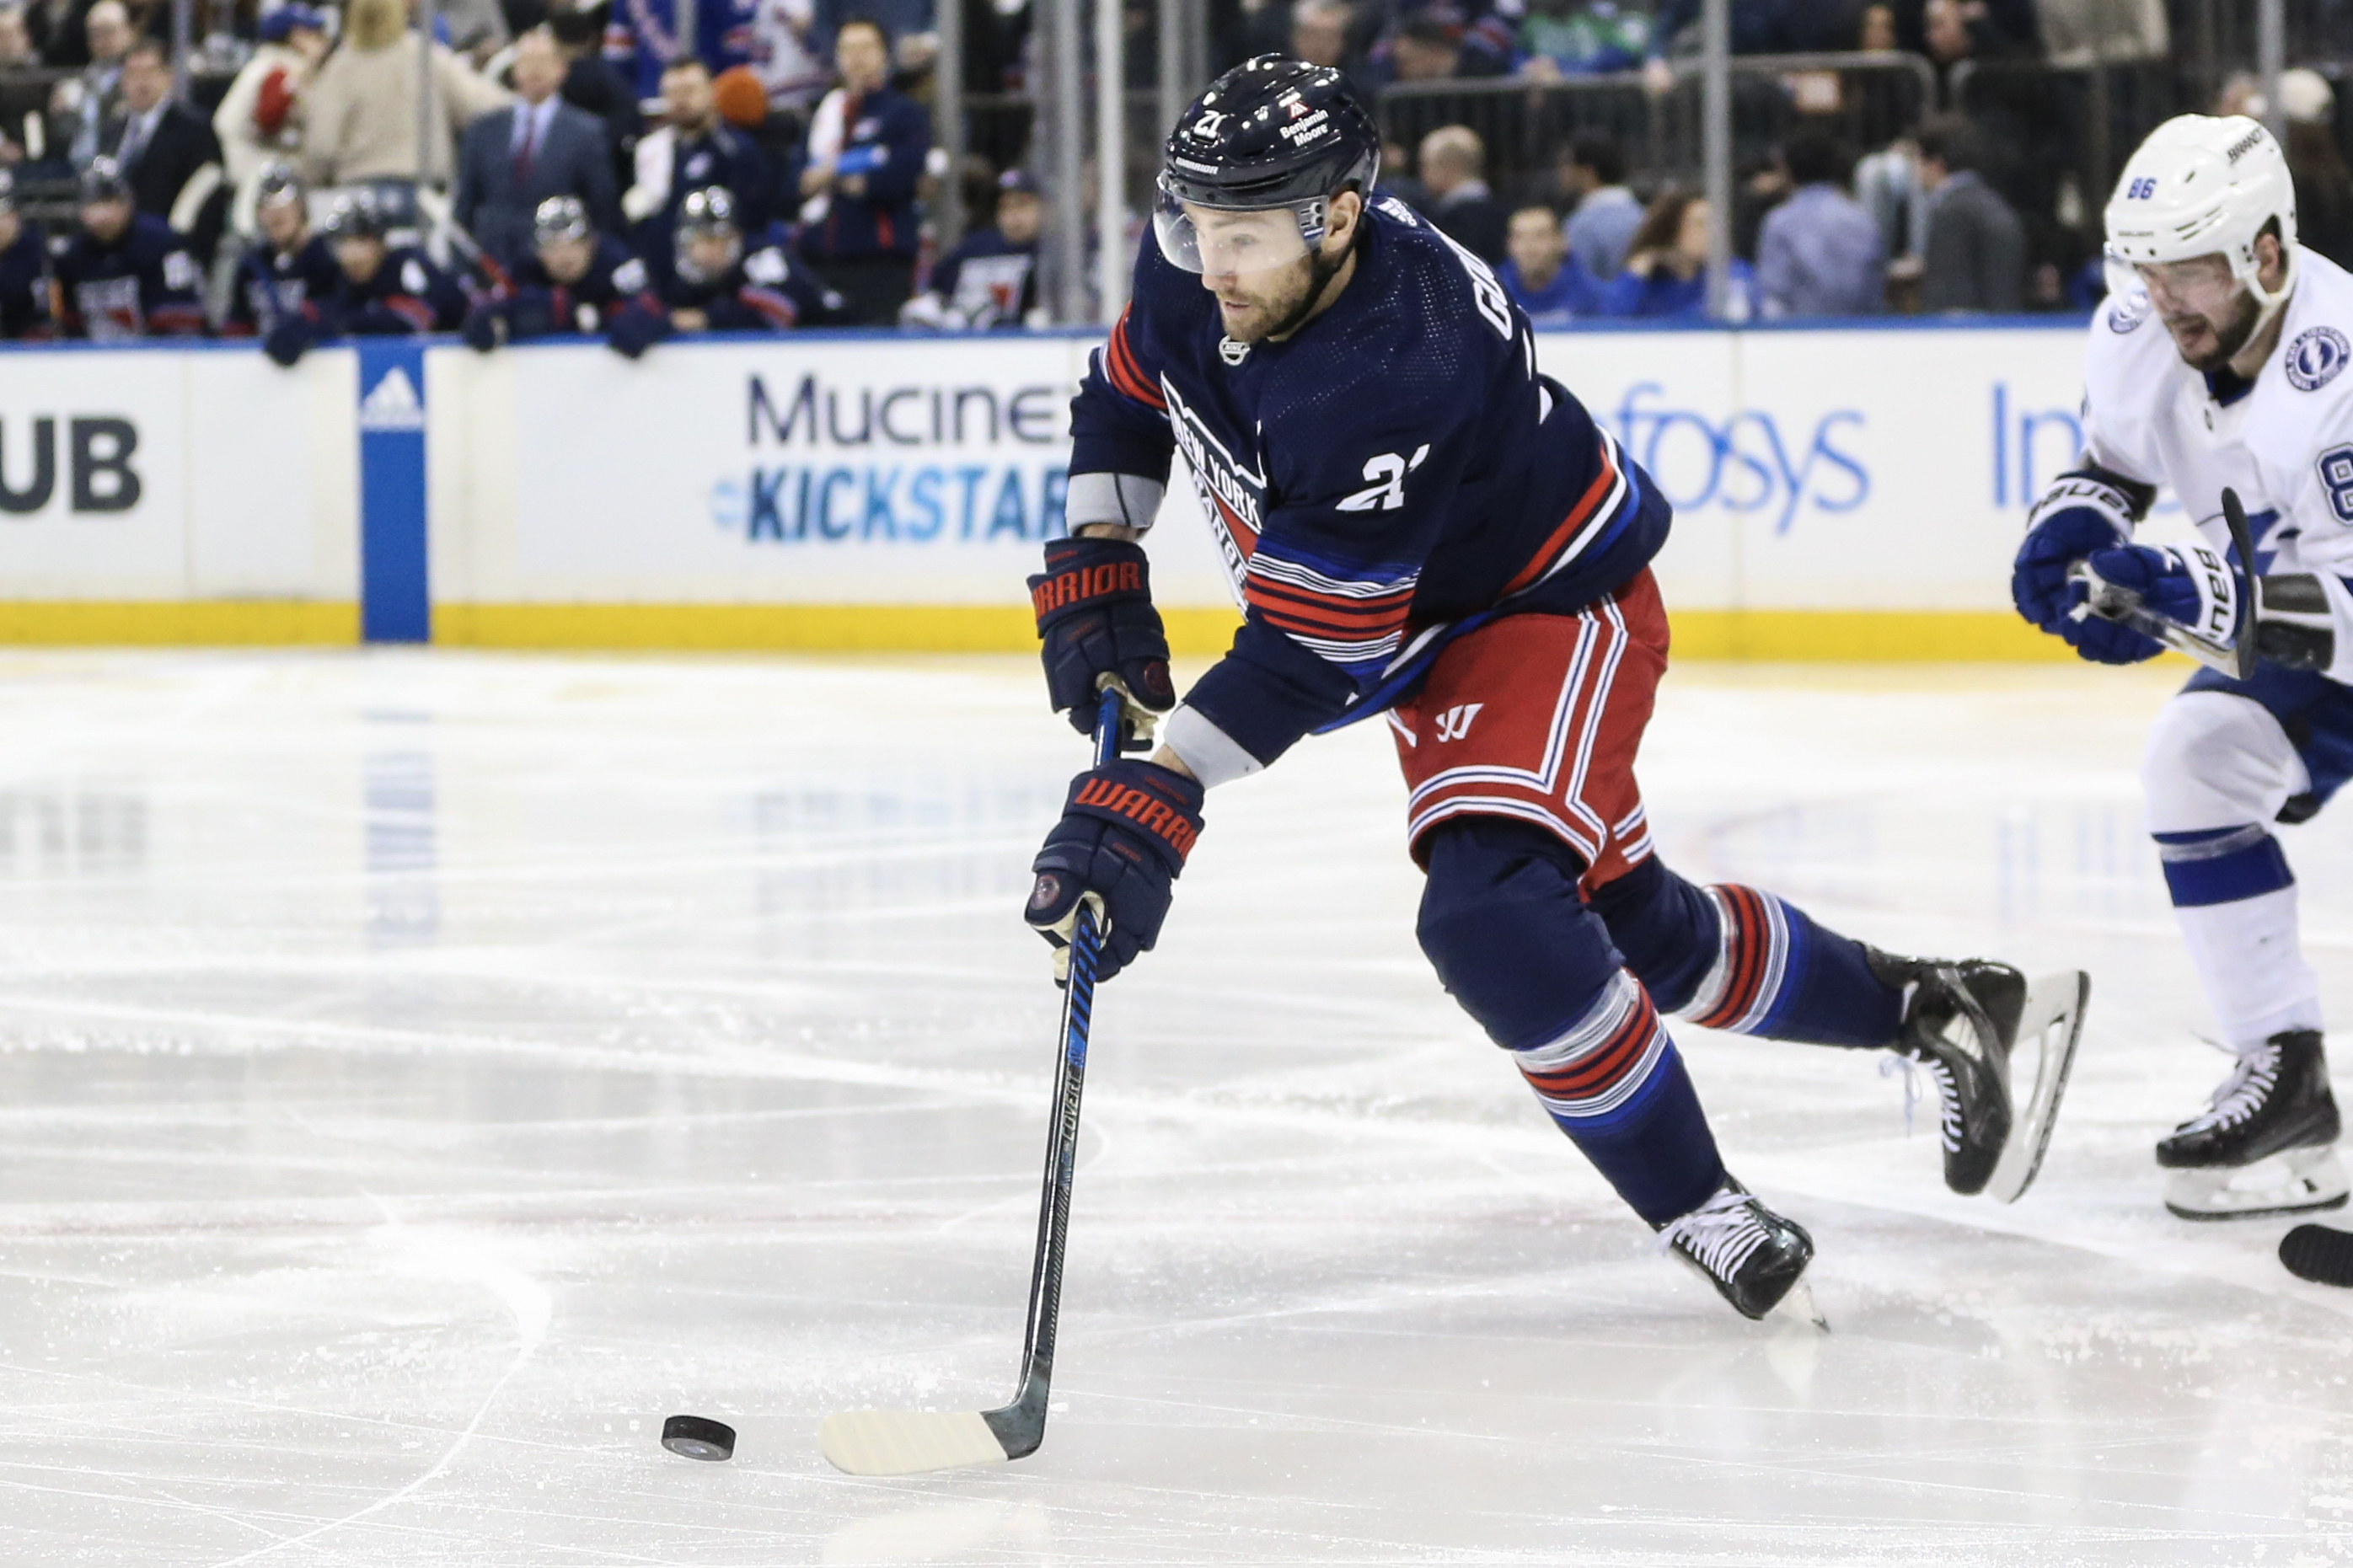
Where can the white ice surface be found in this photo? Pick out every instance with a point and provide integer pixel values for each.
(420, 1074)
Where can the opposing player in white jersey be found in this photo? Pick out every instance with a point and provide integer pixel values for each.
(2219, 365)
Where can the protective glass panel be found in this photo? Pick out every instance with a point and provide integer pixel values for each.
(1206, 239)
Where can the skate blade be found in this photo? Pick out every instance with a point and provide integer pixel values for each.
(2052, 1023)
(1798, 1307)
(2300, 1180)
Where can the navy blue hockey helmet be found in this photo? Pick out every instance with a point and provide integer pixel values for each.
(560, 219)
(280, 185)
(356, 214)
(103, 181)
(1272, 133)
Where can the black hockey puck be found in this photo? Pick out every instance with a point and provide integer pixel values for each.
(698, 1438)
(2318, 1253)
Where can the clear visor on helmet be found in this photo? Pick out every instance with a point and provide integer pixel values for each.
(2201, 286)
(1224, 243)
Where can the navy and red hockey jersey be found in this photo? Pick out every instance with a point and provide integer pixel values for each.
(406, 293)
(537, 306)
(272, 284)
(768, 290)
(1395, 468)
(143, 283)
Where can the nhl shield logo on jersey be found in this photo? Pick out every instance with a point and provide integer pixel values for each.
(2316, 357)
(2127, 311)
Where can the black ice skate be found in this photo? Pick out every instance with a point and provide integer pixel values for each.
(1752, 1256)
(1968, 1023)
(2265, 1143)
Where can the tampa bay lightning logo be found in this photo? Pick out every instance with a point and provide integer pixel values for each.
(2316, 357)
(2127, 311)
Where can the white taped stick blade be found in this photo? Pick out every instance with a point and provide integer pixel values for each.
(907, 1442)
(2049, 1027)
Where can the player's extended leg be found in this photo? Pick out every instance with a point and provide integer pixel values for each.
(1735, 958)
(2218, 768)
(1503, 925)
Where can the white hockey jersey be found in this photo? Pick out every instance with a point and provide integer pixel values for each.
(2285, 444)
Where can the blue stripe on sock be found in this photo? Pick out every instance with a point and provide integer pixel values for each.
(2223, 866)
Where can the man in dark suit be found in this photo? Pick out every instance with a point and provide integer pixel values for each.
(515, 158)
(1453, 169)
(167, 151)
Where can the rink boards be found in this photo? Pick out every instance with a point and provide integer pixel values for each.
(1853, 493)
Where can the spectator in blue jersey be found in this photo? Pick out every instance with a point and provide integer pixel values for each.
(125, 275)
(865, 148)
(574, 281)
(1600, 230)
(24, 270)
(728, 282)
(1666, 271)
(291, 272)
(1819, 252)
(990, 279)
(1541, 277)
(383, 291)
(695, 150)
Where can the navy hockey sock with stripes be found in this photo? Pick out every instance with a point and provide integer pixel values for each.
(1735, 958)
(1501, 923)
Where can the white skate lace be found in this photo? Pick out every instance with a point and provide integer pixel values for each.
(2251, 1083)
(1949, 1093)
(1720, 1234)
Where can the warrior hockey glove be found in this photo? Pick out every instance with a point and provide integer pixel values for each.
(1123, 836)
(1095, 615)
(2193, 587)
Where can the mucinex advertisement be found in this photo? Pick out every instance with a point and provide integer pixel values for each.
(1887, 469)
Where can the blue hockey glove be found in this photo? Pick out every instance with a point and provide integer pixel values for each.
(1125, 833)
(634, 330)
(482, 329)
(289, 340)
(2195, 588)
(2037, 579)
(1095, 616)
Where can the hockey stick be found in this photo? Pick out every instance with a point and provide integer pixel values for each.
(908, 1442)
(2234, 656)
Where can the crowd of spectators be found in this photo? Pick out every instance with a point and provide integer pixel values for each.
(523, 167)
(358, 174)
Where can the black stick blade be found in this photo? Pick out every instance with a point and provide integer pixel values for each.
(2318, 1253)
(698, 1437)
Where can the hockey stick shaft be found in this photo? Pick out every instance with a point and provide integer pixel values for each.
(1021, 1426)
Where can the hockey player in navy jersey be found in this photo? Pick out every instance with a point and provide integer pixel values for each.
(381, 289)
(1419, 524)
(728, 282)
(990, 279)
(291, 272)
(576, 280)
(126, 274)
(24, 270)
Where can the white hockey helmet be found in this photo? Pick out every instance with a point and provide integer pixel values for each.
(2202, 185)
